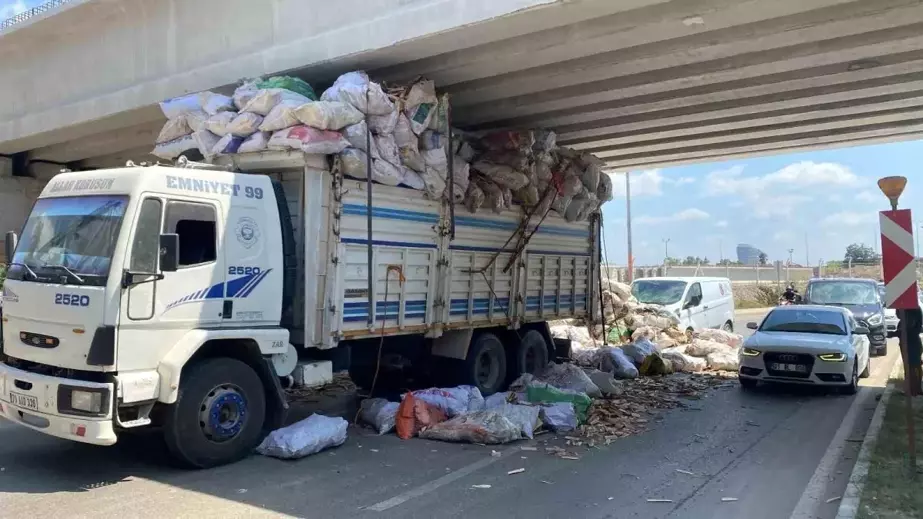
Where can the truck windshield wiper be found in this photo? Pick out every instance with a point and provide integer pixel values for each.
(70, 272)
(28, 268)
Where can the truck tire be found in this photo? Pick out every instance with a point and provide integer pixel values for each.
(485, 365)
(530, 354)
(218, 416)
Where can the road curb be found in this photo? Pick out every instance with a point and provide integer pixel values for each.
(849, 505)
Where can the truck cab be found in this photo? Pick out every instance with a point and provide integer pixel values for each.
(127, 282)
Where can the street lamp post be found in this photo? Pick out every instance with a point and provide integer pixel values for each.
(788, 271)
(631, 259)
(666, 250)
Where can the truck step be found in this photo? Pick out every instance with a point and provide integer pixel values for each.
(313, 374)
(139, 422)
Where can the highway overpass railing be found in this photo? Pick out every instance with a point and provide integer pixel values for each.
(29, 13)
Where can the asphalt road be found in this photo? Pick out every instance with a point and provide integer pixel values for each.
(761, 448)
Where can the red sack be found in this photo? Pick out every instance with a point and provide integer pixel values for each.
(413, 415)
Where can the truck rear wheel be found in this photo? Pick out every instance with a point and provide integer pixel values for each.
(485, 365)
(530, 354)
(218, 416)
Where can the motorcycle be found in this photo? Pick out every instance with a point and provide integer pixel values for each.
(785, 302)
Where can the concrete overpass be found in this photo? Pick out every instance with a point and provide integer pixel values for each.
(638, 82)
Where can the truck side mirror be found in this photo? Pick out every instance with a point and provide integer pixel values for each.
(169, 252)
(10, 244)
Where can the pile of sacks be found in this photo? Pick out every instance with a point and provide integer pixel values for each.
(278, 113)
(528, 169)
(558, 400)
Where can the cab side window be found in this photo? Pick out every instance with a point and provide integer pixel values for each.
(145, 250)
(196, 225)
(695, 294)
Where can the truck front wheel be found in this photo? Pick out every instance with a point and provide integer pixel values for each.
(218, 416)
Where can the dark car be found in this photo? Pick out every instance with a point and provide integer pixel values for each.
(861, 297)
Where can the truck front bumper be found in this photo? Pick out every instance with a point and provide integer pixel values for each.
(31, 400)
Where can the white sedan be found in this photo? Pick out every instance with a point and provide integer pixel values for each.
(806, 344)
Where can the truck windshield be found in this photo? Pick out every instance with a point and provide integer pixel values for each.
(658, 291)
(842, 293)
(69, 240)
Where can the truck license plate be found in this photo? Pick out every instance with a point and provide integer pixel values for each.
(794, 368)
(29, 402)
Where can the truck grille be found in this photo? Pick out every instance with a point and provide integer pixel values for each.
(802, 359)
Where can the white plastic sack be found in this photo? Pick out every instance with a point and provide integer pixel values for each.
(356, 89)
(431, 140)
(357, 135)
(559, 417)
(227, 145)
(527, 196)
(173, 108)
(309, 436)
(460, 175)
(280, 117)
(569, 376)
(386, 173)
(453, 401)
(266, 99)
(218, 123)
(379, 413)
(197, 120)
(703, 347)
(604, 190)
(254, 143)
(354, 163)
(493, 195)
(682, 362)
(328, 115)
(484, 427)
(245, 124)
(731, 339)
(206, 141)
(411, 158)
(309, 140)
(614, 360)
(436, 159)
(639, 349)
(244, 93)
(174, 129)
(170, 150)
(474, 198)
(434, 182)
(526, 417)
(385, 123)
(412, 179)
(213, 103)
(504, 176)
(403, 135)
(499, 399)
(386, 149)
(420, 105)
(722, 360)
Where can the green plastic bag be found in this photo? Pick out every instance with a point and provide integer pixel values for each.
(297, 85)
(546, 394)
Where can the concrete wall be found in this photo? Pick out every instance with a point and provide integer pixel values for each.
(52, 81)
(17, 194)
(735, 274)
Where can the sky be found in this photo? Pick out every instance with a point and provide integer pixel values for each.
(815, 202)
(9, 8)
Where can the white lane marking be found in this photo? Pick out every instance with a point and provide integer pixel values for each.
(439, 482)
(815, 492)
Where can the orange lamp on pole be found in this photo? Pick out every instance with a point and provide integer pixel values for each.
(892, 187)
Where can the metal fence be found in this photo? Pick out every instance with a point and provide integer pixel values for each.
(774, 273)
(29, 13)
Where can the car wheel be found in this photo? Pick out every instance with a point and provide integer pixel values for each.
(728, 327)
(853, 387)
(748, 383)
(218, 415)
(868, 368)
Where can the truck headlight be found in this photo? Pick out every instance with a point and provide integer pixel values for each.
(750, 352)
(832, 357)
(86, 401)
(83, 401)
(875, 320)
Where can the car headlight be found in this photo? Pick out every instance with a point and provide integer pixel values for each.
(875, 320)
(832, 357)
(750, 352)
(86, 401)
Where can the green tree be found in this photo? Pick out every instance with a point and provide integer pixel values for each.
(861, 253)
(764, 259)
(690, 261)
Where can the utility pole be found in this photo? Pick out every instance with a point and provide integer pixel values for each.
(666, 250)
(631, 259)
(807, 256)
(721, 251)
(788, 271)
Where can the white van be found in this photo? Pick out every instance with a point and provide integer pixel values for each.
(699, 302)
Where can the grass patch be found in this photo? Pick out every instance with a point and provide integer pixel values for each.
(889, 493)
(743, 304)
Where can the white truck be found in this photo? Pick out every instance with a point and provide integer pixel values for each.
(182, 297)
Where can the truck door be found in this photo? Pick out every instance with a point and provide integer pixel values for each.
(254, 287)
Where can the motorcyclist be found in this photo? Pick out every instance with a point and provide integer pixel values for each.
(790, 295)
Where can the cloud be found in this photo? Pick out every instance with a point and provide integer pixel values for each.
(686, 215)
(778, 194)
(782, 236)
(870, 197)
(850, 219)
(11, 9)
(721, 223)
(643, 183)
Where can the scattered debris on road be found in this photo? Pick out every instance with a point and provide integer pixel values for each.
(834, 499)
(686, 472)
(659, 500)
(728, 499)
(480, 486)
(516, 471)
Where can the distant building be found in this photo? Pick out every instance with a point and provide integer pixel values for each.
(748, 254)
